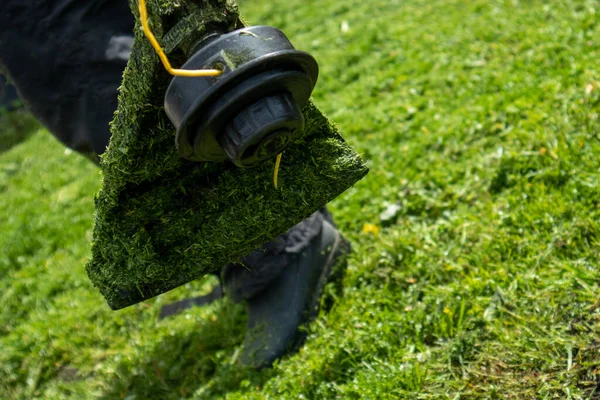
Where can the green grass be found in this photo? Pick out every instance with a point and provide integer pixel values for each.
(480, 123)
(15, 127)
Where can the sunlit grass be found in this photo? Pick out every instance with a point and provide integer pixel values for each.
(477, 277)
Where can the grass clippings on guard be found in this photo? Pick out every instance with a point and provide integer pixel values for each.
(163, 221)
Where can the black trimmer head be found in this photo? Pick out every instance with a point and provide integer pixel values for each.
(252, 111)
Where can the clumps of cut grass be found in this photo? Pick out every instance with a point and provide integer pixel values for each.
(481, 120)
(161, 220)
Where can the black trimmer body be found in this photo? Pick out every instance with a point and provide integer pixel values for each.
(253, 110)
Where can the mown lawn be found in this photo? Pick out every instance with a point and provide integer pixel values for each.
(476, 265)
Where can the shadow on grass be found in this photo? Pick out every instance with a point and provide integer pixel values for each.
(16, 127)
(199, 360)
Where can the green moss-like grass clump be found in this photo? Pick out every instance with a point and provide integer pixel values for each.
(163, 221)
